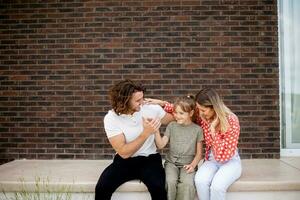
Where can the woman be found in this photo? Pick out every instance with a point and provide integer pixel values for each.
(222, 165)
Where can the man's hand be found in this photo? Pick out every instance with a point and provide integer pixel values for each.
(151, 126)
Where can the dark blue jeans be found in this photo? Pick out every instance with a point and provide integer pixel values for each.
(147, 169)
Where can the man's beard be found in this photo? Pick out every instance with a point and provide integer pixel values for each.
(136, 109)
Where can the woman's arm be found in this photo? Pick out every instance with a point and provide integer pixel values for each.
(168, 107)
(155, 101)
(168, 117)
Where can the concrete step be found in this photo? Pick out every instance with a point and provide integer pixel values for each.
(261, 179)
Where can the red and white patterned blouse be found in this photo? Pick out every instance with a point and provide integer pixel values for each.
(224, 145)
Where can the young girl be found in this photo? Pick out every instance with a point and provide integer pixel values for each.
(185, 150)
(221, 127)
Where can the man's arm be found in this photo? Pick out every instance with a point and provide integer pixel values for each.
(125, 150)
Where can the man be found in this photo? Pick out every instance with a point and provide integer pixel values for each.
(130, 128)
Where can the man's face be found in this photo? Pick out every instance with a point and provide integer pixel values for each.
(136, 101)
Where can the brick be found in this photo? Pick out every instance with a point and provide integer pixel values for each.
(59, 59)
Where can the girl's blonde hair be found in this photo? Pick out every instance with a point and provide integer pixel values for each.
(208, 97)
(187, 104)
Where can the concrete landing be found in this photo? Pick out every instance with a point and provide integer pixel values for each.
(80, 176)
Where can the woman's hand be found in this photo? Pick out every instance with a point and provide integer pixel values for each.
(155, 101)
(202, 117)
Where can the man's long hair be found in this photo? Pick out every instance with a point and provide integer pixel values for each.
(121, 93)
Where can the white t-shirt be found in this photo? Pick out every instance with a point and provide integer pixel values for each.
(132, 126)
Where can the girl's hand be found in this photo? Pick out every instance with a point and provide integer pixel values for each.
(155, 101)
(189, 168)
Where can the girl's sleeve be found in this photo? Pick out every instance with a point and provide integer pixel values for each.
(200, 135)
(169, 108)
(168, 130)
(225, 144)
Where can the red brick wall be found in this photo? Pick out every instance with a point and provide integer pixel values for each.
(58, 60)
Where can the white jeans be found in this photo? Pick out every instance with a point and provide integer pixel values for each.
(213, 179)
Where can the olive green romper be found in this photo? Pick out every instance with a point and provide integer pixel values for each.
(182, 150)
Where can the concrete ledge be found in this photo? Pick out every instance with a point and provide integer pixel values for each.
(80, 176)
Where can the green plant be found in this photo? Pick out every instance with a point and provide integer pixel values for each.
(42, 191)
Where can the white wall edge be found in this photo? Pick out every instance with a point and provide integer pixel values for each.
(289, 152)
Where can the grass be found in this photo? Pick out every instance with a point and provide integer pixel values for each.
(42, 191)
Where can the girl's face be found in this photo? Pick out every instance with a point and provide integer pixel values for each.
(183, 117)
(207, 113)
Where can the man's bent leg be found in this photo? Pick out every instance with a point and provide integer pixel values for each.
(112, 177)
(153, 176)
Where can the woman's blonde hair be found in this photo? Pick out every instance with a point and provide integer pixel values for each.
(208, 97)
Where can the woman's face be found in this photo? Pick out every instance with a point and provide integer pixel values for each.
(207, 113)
